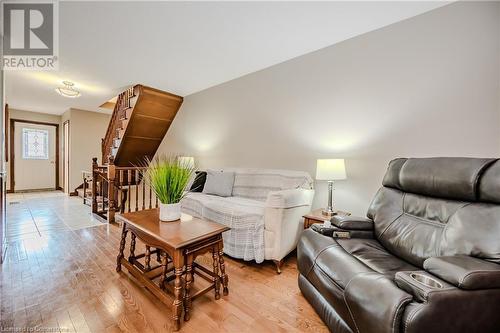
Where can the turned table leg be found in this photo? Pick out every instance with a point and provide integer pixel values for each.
(216, 278)
(225, 279)
(164, 265)
(122, 248)
(147, 259)
(189, 281)
(131, 257)
(178, 289)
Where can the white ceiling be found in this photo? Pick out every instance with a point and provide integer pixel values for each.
(185, 47)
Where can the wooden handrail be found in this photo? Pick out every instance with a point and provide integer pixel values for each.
(106, 142)
(122, 104)
(130, 168)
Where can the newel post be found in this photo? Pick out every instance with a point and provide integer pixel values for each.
(94, 185)
(111, 190)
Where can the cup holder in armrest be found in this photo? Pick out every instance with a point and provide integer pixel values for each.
(426, 280)
(420, 284)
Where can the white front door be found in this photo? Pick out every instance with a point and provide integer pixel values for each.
(35, 156)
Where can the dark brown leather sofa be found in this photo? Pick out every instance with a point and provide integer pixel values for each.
(426, 259)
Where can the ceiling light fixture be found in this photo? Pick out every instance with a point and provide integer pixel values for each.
(68, 90)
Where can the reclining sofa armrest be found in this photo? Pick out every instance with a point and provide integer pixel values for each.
(336, 232)
(421, 284)
(465, 272)
(375, 303)
(347, 227)
(291, 198)
(352, 223)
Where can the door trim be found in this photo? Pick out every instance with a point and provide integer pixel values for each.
(13, 155)
(65, 158)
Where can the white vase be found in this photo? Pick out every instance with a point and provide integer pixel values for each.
(170, 212)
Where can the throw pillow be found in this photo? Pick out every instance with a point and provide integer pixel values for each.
(219, 183)
(199, 181)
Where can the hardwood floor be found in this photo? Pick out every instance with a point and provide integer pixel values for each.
(64, 279)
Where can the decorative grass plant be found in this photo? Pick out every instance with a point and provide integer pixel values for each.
(168, 177)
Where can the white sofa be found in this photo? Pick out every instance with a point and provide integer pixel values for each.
(264, 212)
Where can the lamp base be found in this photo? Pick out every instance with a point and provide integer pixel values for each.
(328, 212)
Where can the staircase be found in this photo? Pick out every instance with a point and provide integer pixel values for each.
(140, 120)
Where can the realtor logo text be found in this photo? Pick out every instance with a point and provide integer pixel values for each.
(30, 36)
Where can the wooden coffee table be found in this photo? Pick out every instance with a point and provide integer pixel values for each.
(177, 242)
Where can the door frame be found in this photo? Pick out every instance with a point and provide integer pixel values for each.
(65, 158)
(13, 155)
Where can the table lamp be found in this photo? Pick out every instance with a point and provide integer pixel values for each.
(186, 161)
(330, 170)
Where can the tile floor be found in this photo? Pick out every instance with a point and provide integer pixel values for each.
(35, 214)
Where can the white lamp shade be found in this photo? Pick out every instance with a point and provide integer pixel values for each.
(330, 169)
(187, 161)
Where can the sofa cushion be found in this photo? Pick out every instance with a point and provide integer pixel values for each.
(244, 216)
(489, 186)
(310, 246)
(342, 259)
(371, 253)
(415, 227)
(465, 272)
(443, 177)
(257, 183)
(391, 177)
(339, 265)
(199, 181)
(219, 183)
(320, 256)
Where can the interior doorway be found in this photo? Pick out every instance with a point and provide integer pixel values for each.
(34, 153)
(66, 144)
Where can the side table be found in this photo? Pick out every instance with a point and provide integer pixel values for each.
(177, 243)
(317, 217)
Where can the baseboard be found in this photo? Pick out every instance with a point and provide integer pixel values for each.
(34, 190)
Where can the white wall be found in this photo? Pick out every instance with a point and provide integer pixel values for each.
(427, 86)
(86, 129)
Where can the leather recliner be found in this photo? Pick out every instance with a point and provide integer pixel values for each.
(426, 258)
